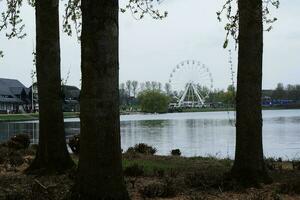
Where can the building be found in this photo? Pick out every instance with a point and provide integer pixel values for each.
(14, 96)
(71, 97)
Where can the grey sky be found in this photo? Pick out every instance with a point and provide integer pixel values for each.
(150, 49)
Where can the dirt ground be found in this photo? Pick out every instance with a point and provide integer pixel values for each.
(148, 177)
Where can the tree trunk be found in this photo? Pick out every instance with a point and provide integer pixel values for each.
(249, 166)
(100, 174)
(52, 155)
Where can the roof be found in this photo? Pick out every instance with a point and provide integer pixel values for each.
(10, 100)
(11, 83)
(9, 88)
(71, 92)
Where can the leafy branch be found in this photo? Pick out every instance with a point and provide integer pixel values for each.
(10, 19)
(232, 17)
(139, 8)
(72, 16)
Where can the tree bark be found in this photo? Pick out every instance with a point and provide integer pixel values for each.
(249, 166)
(100, 174)
(52, 155)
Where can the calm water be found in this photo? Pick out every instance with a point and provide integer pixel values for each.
(195, 134)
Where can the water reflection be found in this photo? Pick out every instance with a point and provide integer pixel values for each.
(195, 134)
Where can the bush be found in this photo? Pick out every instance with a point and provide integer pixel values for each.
(20, 141)
(152, 190)
(34, 147)
(165, 189)
(290, 187)
(144, 149)
(176, 152)
(159, 172)
(153, 101)
(204, 180)
(273, 164)
(4, 152)
(74, 144)
(270, 163)
(130, 150)
(16, 159)
(134, 170)
(296, 165)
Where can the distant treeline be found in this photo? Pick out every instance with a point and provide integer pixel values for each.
(130, 90)
(288, 92)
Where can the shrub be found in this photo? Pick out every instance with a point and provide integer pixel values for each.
(159, 172)
(74, 144)
(198, 196)
(34, 147)
(130, 150)
(296, 165)
(15, 196)
(152, 190)
(144, 149)
(153, 101)
(4, 152)
(270, 163)
(134, 170)
(163, 190)
(176, 152)
(20, 141)
(16, 159)
(173, 173)
(290, 187)
(273, 164)
(204, 180)
(157, 189)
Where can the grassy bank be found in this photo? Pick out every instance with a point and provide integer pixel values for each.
(156, 177)
(231, 109)
(30, 116)
(34, 116)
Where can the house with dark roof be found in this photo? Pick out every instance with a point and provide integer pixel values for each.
(16, 98)
(71, 96)
(13, 96)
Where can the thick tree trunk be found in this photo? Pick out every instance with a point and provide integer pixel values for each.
(100, 173)
(249, 164)
(52, 155)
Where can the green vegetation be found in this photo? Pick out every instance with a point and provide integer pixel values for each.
(151, 176)
(153, 101)
(291, 92)
(30, 116)
(171, 164)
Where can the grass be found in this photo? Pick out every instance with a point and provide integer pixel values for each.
(173, 177)
(34, 116)
(174, 163)
(30, 116)
(232, 109)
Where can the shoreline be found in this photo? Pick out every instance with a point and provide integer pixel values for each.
(157, 177)
(69, 115)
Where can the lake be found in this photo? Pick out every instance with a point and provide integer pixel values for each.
(195, 134)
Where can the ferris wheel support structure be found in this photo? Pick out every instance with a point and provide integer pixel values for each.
(192, 81)
(190, 88)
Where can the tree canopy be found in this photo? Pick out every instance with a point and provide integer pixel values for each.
(153, 101)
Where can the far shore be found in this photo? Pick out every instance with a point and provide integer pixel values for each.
(68, 115)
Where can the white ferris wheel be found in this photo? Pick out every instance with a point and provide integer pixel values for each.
(191, 81)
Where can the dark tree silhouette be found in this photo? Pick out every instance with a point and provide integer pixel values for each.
(52, 154)
(249, 166)
(100, 174)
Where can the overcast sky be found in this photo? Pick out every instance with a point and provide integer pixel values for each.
(150, 49)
